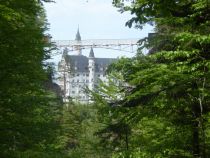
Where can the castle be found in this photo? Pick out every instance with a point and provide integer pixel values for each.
(79, 72)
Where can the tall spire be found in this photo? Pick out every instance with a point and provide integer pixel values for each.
(78, 37)
(78, 40)
(91, 54)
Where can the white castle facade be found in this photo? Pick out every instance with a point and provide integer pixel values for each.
(79, 72)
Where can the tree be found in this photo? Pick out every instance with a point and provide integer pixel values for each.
(182, 66)
(77, 137)
(174, 80)
(28, 118)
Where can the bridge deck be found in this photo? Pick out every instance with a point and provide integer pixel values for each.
(96, 42)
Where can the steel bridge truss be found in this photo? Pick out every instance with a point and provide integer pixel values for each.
(126, 45)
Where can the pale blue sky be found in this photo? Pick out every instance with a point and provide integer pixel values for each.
(97, 19)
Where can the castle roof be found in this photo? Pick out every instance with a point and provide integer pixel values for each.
(80, 63)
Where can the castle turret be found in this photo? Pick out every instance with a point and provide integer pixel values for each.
(78, 40)
(65, 52)
(91, 66)
(63, 68)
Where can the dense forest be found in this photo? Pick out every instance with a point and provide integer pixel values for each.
(154, 105)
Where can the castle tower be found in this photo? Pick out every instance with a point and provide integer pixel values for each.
(91, 66)
(63, 68)
(78, 41)
(65, 52)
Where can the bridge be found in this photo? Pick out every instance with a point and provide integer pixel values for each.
(78, 44)
(115, 44)
(96, 42)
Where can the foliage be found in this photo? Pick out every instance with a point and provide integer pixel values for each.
(170, 86)
(77, 138)
(29, 113)
(154, 105)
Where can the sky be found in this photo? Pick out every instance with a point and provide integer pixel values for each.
(96, 19)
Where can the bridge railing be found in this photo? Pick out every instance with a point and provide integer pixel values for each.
(96, 42)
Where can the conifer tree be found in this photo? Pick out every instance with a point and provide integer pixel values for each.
(27, 118)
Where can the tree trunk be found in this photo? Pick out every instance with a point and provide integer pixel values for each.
(196, 142)
(196, 130)
(126, 139)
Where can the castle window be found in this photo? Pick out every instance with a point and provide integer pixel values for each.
(73, 92)
(87, 74)
(77, 80)
(73, 80)
(77, 74)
